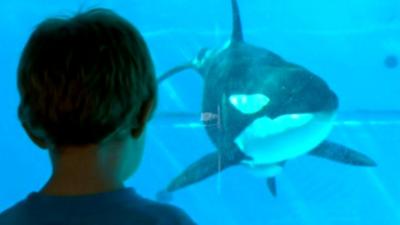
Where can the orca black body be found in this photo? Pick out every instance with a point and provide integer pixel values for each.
(267, 111)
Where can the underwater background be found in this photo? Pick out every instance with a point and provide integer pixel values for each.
(353, 45)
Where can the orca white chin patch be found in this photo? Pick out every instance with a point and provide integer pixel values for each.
(249, 104)
(270, 141)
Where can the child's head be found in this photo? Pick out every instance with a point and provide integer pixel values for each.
(86, 81)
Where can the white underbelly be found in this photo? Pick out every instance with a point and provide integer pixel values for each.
(270, 141)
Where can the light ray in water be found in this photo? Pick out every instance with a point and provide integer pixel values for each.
(186, 55)
(343, 123)
(299, 206)
(194, 120)
(174, 96)
(358, 123)
(196, 44)
(385, 195)
(217, 33)
(166, 153)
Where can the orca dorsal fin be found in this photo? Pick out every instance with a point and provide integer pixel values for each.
(237, 34)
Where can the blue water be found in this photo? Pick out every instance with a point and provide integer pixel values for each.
(344, 42)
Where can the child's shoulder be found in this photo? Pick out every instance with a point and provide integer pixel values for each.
(10, 215)
(166, 214)
(123, 207)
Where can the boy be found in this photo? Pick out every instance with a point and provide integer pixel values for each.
(87, 89)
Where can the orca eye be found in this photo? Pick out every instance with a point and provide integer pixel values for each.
(249, 104)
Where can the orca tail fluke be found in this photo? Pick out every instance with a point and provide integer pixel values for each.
(174, 71)
(342, 154)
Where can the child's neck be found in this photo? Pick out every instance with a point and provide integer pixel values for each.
(78, 185)
(81, 173)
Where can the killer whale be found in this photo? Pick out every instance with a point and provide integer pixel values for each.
(267, 111)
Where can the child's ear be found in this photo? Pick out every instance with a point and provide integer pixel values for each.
(38, 141)
(144, 114)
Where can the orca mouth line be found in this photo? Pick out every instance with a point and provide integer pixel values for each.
(265, 126)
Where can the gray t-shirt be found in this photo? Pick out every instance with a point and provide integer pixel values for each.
(122, 207)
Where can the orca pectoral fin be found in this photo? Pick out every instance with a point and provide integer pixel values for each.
(271, 183)
(205, 167)
(174, 71)
(342, 154)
